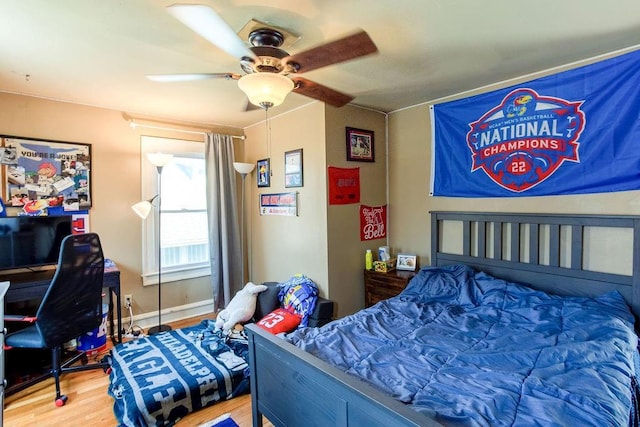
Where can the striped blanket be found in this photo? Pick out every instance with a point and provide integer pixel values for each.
(159, 379)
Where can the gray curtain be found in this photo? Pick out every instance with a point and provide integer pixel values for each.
(222, 213)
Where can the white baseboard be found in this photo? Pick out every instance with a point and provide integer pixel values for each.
(173, 314)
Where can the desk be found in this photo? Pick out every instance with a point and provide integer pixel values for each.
(33, 285)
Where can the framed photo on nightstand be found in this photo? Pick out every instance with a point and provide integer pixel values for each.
(406, 262)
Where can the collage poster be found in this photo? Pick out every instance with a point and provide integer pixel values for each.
(42, 174)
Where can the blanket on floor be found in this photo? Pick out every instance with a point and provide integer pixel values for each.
(159, 379)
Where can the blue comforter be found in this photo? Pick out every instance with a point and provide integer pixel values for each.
(470, 349)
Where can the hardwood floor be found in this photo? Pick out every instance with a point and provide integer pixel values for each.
(90, 405)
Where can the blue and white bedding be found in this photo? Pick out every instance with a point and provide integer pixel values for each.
(159, 379)
(469, 349)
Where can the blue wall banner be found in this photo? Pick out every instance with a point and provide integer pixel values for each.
(573, 132)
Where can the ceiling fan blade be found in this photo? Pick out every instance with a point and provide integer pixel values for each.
(319, 92)
(206, 22)
(170, 78)
(350, 47)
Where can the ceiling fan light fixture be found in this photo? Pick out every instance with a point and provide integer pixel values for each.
(266, 89)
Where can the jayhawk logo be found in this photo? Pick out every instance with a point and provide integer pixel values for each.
(525, 139)
(519, 105)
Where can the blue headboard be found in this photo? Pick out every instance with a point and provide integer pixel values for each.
(551, 252)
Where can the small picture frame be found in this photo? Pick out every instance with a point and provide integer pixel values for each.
(360, 145)
(264, 173)
(406, 262)
(293, 168)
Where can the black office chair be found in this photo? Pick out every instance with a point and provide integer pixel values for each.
(71, 307)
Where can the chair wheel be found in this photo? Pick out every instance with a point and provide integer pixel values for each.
(61, 401)
(84, 359)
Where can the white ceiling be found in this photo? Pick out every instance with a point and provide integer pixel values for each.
(98, 52)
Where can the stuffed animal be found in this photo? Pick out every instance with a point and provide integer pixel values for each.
(240, 308)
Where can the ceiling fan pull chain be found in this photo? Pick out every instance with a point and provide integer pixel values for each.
(267, 125)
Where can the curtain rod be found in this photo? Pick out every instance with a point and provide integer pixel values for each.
(141, 125)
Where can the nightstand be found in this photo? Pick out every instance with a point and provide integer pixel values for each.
(379, 286)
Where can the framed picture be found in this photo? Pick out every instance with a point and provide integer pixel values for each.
(293, 168)
(285, 204)
(45, 173)
(264, 173)
(406, 262)
(360, 145)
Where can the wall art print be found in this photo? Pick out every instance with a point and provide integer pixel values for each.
(264, 173)
(373, 222)
(360, 145)
(293, 168)
(42, 173)
(284, 204)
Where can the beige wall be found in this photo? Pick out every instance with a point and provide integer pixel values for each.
(409, 203)
(281, 246)
(115, 184)
(323, 241)
(346, 250)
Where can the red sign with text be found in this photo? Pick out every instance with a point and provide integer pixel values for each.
(373, 222)
(344, 185)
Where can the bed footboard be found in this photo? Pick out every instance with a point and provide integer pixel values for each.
(292, 388)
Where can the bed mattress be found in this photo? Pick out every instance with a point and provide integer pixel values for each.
(469, 349)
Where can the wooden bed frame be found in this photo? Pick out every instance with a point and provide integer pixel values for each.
(549, 251)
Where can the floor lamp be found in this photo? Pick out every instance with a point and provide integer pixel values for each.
(243, 169)
(159, 160)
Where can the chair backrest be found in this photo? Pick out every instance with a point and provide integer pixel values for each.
(72, 304)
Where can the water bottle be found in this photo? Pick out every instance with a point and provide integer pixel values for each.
(368, 260)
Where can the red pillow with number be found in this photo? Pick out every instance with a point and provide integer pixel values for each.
(279, 320)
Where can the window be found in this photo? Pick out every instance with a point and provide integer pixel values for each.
(185, 242)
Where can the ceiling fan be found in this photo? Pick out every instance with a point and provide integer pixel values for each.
(271, 72)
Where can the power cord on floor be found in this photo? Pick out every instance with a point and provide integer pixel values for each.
(133, 331)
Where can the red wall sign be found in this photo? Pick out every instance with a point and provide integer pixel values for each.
(344, 186)
(373, 222)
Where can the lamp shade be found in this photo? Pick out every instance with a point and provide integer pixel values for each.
(159, 159)
(142, 209)
(265, 89)
(243, 168)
